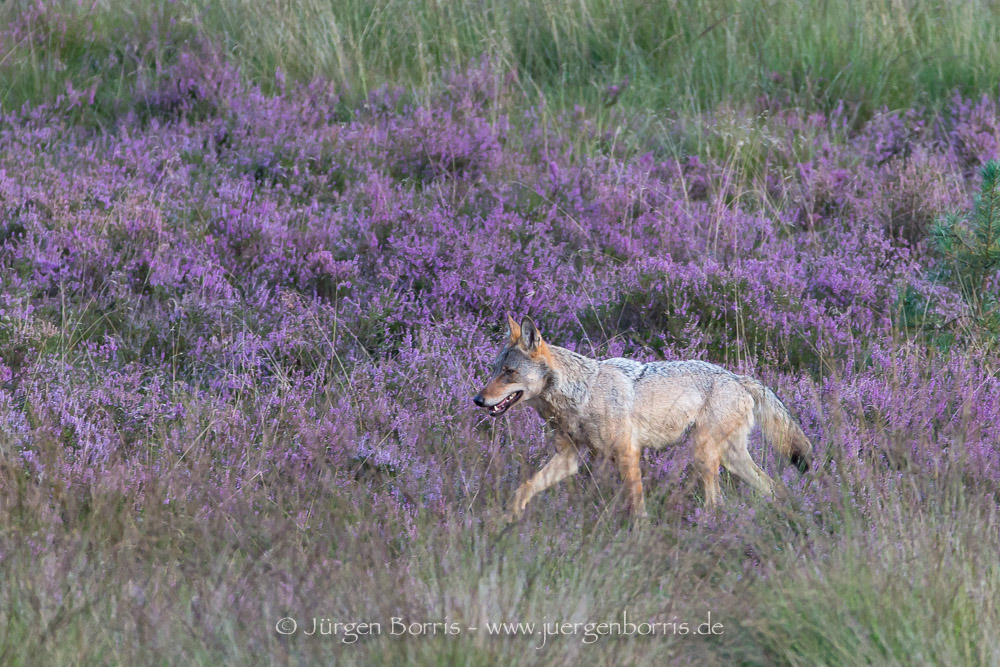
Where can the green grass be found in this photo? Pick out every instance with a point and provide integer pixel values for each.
(906, 583)
(682, 56)
(918, 592)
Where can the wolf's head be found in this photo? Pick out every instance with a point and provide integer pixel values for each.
(520, 371)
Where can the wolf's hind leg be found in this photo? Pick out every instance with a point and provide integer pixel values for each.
(726, 418)
(736, 460)
(565, 463)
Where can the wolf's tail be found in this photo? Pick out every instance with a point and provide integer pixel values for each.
(779, 428)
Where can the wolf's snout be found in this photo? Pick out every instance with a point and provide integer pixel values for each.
(479, 400)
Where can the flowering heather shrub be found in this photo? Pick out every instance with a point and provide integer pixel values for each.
(247, 328)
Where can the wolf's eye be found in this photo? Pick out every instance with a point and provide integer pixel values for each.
(509, 371)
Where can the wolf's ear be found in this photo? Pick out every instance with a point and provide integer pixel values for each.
(513, 330)
(530, 338)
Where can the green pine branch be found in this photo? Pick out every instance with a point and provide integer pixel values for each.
(969, 244)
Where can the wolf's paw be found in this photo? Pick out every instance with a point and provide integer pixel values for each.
(517, 505)
(515, 511)
(516, 508)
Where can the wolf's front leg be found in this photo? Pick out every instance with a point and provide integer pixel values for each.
(631, 474)
(565, 463)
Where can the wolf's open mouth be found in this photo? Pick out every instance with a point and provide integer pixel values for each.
(505, 404)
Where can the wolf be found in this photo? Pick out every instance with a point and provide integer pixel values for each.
(616, 407)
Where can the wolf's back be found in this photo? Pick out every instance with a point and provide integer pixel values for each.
(778, 426)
